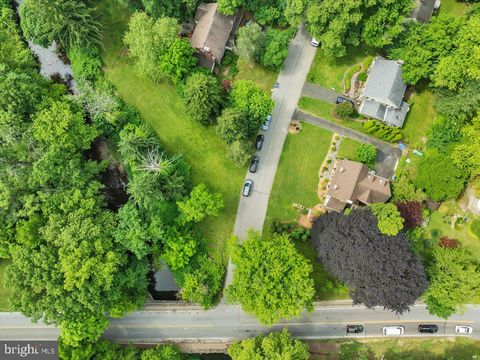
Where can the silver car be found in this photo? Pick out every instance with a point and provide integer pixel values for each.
(247, 187)
(266, 123)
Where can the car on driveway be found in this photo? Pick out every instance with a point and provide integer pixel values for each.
(354, 329)
(266, 123)
(427, 328)
(341, 99)
(395, 330)
(247, 187)
(259, 142)
(254, 164)
(314, 42)
(463, 329)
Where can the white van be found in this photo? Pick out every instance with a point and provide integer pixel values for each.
(396, 330)
(314, 42)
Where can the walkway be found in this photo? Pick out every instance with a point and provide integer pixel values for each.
(253, 209)
(387, 155)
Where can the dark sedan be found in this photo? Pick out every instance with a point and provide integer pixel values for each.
(428, 328)
(259, 142)
(254, 164)
(354, 329)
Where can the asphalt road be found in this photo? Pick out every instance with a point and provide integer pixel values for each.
(227, 323)
(253, 209)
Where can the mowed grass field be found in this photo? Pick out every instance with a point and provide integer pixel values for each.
(296, 180)
(420, 118)
(160, 105)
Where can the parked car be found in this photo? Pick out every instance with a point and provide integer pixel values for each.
(247, 187)
(254, 164)
(395, 330)
(266, 123)
(354, 329)
(428, 328)
(341, 99)
(314, 42)
(259, 142)
(463, 329)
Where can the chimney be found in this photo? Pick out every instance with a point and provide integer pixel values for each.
(342, 169)
(335, 187)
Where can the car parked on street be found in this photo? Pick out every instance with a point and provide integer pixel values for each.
(427, 328)
(259, 142)
(354, 329)
(314, 42)
(254, 164)
(247, 187)
(395, 330)
(266, 123)
(463, 329)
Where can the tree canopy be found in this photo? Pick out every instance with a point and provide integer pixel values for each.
(439, 177)
(271, 279)
(454, 282)
(276, 345)
(388, 218)
(366, 153)
(68, 22)
(148, 40)
(387, 272)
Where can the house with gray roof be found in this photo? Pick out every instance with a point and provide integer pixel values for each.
(423, 10)
(213, 34)
(381, 97)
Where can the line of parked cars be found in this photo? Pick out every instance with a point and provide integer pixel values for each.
(397, 330)
(248, 184)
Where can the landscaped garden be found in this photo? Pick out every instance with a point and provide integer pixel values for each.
(329, 72)
(160, 105)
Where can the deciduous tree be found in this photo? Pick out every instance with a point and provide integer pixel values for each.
(454, 282)
(388, 217)
(200, 204)
(233, 125)
(411, 212)
(251, 42)
(387, 272)
(148, 40)
(178, 61)
(276, 48)
(276, 345)
(271, 279)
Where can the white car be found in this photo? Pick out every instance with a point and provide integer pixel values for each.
(463, 329)
(266, 123)
(314, 42)
(396, 330)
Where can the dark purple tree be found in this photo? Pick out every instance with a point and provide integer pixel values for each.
(412, 212)
(379, 270)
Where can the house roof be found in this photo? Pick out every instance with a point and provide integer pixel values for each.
(423, 10)
(384, 83)
(212, 30)
(376, 110)
(352, 183)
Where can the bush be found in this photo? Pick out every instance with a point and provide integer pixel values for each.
(85, 62)
(345, 110)
(366, 153)
(382, 131)
(239, 152)
(362, 76)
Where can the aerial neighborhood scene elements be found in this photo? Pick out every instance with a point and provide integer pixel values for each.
(240, 179)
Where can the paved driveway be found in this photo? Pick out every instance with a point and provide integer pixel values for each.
(319, 92)
(387, 155)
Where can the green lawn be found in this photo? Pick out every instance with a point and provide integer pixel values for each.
(251, 71)
(297, 179)
(453, 7)
(348, 149)
(325, 110)
(420, 117)
(162, 108)
(439, 226)
(4, 292)
(400, 349)
(328, 72)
